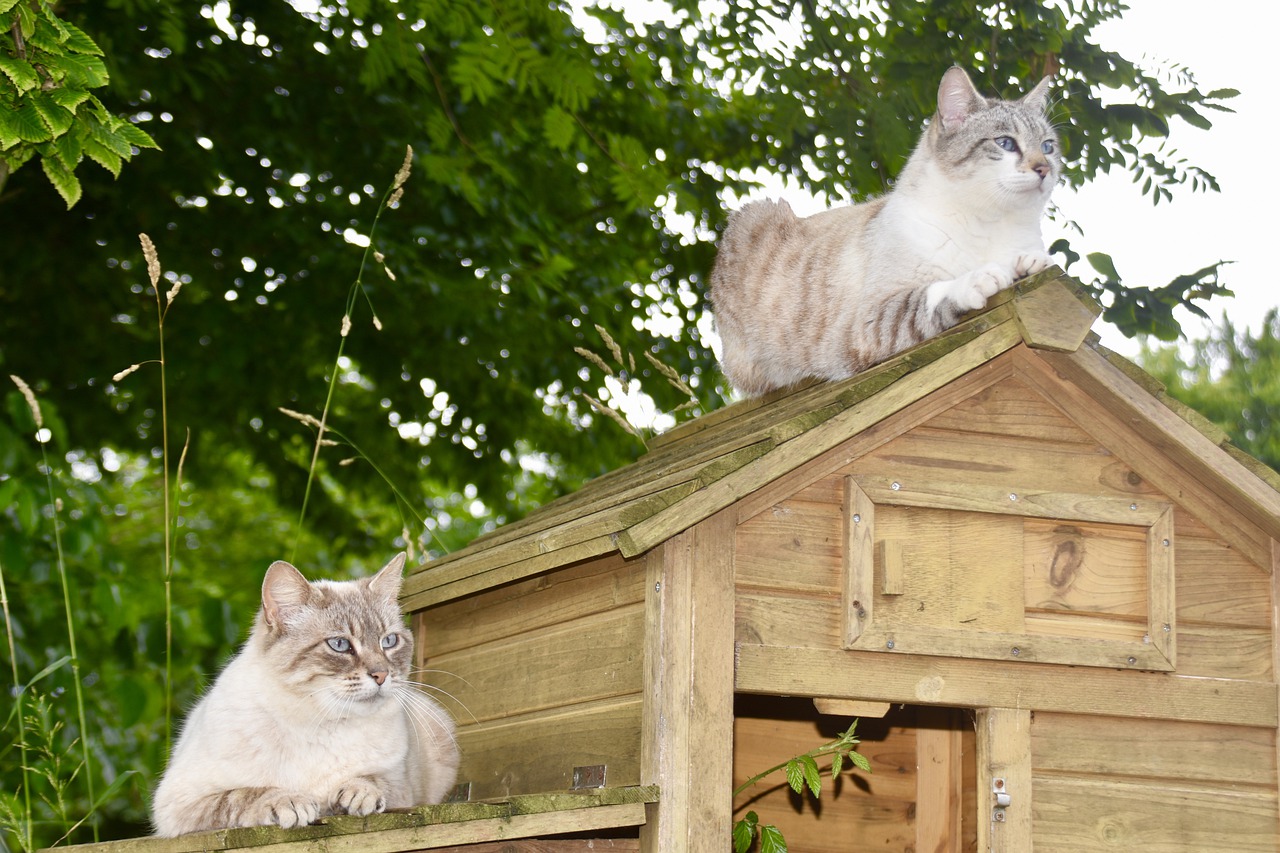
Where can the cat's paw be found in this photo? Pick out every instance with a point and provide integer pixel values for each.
(971, 291)
(286, 808)
(359, 797)
(1030, 263)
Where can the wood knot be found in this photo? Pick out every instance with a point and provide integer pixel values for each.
(1068, 557)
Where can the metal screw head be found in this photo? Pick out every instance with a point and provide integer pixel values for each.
(1132, 660)
(1146, 638)
(998, 817)
(1013, 496)
(1167, 628)
(1133, 506)
(889, 645)
(657, 587)
(1015, 651)
(857, 518)
(1165, 542)
(895, 486)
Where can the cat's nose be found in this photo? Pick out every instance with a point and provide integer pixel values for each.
(1042, 169)
(378, 676)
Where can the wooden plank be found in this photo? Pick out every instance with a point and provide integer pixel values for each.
(432, 837)
(868, 439)
(1056, 316)
(991, 645)
(593, 586)
(1078, 568)
(994, 467)
(1173, 437)
(766, 618)
(796, 545)
(1153, 749)
(858, 586)
(1012, 409)
(1004, 767)
(961, 571)
(538, 846)
(963, 683)
(851, 708)
(818, 440)
(595, 657)
(1218, 651)
(551, 744)
(425, 827)
(1163, 623)
(1033, 503)
(939, 781)
(1216, 584)
(1102, 815)
(892, 581)
(480, 581)
(688, 688)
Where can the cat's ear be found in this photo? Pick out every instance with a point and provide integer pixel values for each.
(1039, 96)
(386, 582)
(957, 98)
(283, 590)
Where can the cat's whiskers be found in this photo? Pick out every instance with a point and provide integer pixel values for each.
(424, 714)
(424, 686)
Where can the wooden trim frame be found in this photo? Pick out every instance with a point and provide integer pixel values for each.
(1156, 651)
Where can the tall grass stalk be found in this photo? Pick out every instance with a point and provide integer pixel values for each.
(26, 839)
(389, 198)
(163, 303)
(41, 438)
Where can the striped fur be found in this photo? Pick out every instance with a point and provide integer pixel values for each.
(829, 295)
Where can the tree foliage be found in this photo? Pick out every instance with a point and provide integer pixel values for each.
(571, 170)
(1232, 377)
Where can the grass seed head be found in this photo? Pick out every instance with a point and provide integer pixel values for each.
(30, 397)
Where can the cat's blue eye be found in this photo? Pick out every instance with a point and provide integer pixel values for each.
(339, 644)
(1047, 147)
(1006, 142)
(389, 641)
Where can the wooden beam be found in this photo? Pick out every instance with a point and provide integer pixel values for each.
(913, 679)
(939, 781)
(687, 736)
(1004, 780)
(1055, 315)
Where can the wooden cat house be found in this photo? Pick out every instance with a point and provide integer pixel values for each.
(1045, 589)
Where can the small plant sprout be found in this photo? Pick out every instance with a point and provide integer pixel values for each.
(803, 773)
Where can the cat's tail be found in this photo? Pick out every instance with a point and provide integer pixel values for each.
(753, 241)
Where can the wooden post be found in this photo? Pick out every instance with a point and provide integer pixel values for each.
(1004, 767)
(687, 738)
(939, 782)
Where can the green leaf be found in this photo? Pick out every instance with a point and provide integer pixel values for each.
(103, 156)
(559, 128)
(21, 73)
(63, 179)
(58, 25)
(744, 832)
(1103, 264)
(78, 42)
(26, 124)
(67, 98)
(79, 70)
(55, 116)
(7, 5)
(795, 775)
(837, 764)
(771, 840)
(135, 135)
(812, 775)
(860, 761)
(1222, 94)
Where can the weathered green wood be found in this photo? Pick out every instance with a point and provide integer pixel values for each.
(415, 829)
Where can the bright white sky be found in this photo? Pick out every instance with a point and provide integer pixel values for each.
(1227, 44)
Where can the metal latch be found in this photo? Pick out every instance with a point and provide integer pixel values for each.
(589, 776)
(1002, 799)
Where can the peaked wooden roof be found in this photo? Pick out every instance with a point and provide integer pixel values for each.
(707, 464)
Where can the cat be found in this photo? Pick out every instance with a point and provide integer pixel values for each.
(314, 716)
(829, 295)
